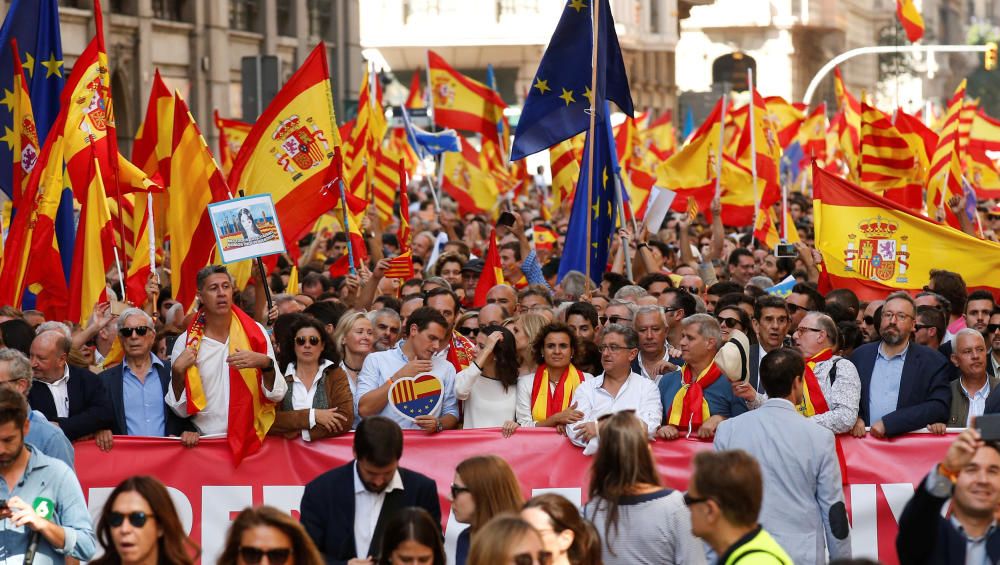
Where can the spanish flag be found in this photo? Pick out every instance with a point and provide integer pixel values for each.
(465, 178)
(151, 149)
(93, 255)
(232, 135)
(23, 140)
(460, 102)
(660, 138)
(785, 118)
(492, 274)
(812, 133)
(985, 131)
(911, 20)
(873, 246)
(416, 97)
(694, 164)
(565, 171)
(401, 266)
(848, 129)
(765, 149)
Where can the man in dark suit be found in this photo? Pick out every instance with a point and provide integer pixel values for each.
(904, 385)
(345, 509)
(136, 388)
(72, 398)
(968, 476)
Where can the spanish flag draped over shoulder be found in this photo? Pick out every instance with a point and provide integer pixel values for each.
(874, 246)
(492, 274)
(911, 20)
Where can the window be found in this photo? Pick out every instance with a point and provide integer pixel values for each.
(286, 19)
(172, 10)
(243, 14)
(654, 17)
(322, 19)
(123, 7)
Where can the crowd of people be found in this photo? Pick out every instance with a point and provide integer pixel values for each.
(681, 338)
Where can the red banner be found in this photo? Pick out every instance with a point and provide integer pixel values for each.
(209, 491)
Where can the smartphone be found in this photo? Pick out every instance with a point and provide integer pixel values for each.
(989, 427)
(506, 219)
(785, 250)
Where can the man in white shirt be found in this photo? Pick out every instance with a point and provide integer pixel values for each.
(214, 359)
(426, 331)
(617, 389)
(653, 359)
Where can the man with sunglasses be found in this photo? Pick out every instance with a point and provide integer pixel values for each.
(904, 385)
(993, 339)
(136, 388)
(72, 398)
(804, 298)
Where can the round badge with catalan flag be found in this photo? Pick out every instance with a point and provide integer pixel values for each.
(416, 396)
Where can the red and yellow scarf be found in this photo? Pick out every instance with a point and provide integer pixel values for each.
(545, 403)
(460, 352)
(689, 405)
(813, 400)
(251, 413)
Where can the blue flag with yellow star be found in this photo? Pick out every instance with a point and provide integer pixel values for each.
(598, 211)
(35, 25)
(558, 102)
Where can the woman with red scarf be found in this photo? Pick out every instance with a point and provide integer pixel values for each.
(545, 400)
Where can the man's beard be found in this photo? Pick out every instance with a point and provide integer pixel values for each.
(893, 336)
(5, 463)
(371, 488)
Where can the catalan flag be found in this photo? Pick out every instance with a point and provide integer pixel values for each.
(366, 138)
(461, 102)
(944, 178)
(888, 164)
(386, 180)
(401, 266)
(492, 274)
(848, 129)
(232, 135)
(911, 20)
(873, 246)
(560, 96)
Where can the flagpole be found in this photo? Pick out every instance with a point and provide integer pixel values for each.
(151, 235)
(753, 153)
(595, 13)
(784, 212)
(718, 156)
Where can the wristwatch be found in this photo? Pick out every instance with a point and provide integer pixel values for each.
(439, 427)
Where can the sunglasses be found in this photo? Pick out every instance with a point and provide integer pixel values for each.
(137, 519)
(139, 331)
(992, 328)
(794, 308)
(618, 319)
(691, 500)
(541, 558)
(468, 332)
(918, 327)
(869, 320)
(691, 289)
(730, 322)
(254, 555)
(301, 340)
(457, 490)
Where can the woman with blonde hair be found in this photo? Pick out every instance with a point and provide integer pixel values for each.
(526, 328)
(268, 532)
(507, 539)
(484, 486)
(353, 338)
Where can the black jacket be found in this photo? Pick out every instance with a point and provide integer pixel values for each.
(327, 510)
(89, 405)
(113, 384)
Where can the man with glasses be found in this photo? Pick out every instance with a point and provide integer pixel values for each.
(617, 389)
(816, 337)
(70, 397)
(804, 298)
(804, 507)
(619, 312)
(15, 373)
(136, 388)
(993, 339)
(904, 385)
(724, 498)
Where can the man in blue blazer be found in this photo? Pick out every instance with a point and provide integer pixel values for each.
(72, 398)
(904, 385)
(345, 510)
(137, 386)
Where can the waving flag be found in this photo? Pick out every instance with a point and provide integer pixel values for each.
(812, 134)
(401, 266)
(93, 256)
(492, 274)
(460, 102)
(232, 134)
(911, 20)
(888, 163)
(416, 98)
(429, 144)
(464, 177)
(560, 97)
(945, 177)
(366, 138)
(848, 129)
(694, 164)
(565, 172)
(23, 139)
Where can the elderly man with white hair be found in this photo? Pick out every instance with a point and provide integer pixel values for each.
(973, 385)
(136, 388)
(15, 372)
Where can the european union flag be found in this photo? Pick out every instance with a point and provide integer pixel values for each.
(791, 161)
(688, 124)
(559, 100)
(427, 143)
(782, 289)
(35, 25)
(598, 211)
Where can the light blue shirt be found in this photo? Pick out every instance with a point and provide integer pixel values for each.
(380, 367)
(45, 477)
(977, 402)
(49, 439)
(884, 388)
(143, 400)
(533, 271)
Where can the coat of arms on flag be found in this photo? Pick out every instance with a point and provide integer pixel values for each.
(878, 251)
(299, 146)
(416, 396)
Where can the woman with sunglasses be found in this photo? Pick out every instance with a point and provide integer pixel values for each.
(639, 520)
(544, 399)
(484, 486)
(354, 338)
(411, 536)
(268, 532)
(468, 324)
(567, 536)
(488, 387)
(139, 526)
(508, 540)
(732, 317)
(319, 402)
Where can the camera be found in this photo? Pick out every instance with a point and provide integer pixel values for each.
(785, 250)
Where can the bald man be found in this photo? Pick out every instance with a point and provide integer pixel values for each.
(503, 295)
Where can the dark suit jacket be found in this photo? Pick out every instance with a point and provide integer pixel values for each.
(89, 405)
(924, 395)
(327, 510)
(112, 379)
(925, 537)
(754, 363)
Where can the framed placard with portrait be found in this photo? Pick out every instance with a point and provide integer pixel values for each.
(246, 228)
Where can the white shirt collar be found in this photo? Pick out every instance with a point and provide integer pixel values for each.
(395, 484)
(64, 379)
(290, 370)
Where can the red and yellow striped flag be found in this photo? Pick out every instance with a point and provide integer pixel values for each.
(386, 181)
(945, 176)
(460, 102)
(812, 134)
(849, 128)
(465, 179)
(910, 18)
(416, 98)
(366, 138)
(93, 256)
(565, 172)
(401, 266)
(492, 274)
(232, 135)
(985, 131)
(888, 164)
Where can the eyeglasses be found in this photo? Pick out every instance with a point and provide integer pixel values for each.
(139, 331)
(457, 490)
(794, 308)
(992, 328)
(618, 319)
(692, 500)
(918, 327)
(468, 332)
(669, 309)
(691, 289)
(301, 340)
(896, 316)
(730, 322)
(253, 555)
(869, 320)
(541, 558)
(137, 519)
(805, 329)
(613, 348)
